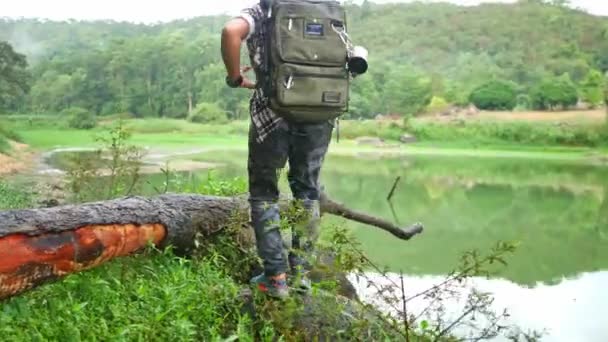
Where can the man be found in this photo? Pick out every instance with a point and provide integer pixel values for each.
(272, 142)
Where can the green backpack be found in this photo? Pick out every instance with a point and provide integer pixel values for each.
(308, 79)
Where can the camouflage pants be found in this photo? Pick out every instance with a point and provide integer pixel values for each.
(304, 146)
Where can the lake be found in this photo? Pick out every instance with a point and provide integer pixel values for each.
(557, 211)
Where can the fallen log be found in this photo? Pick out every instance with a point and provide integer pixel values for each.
(42, 245)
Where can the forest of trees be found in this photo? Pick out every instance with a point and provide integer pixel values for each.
(528, 55)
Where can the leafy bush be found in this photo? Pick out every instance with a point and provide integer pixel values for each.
(208, 113)
(592, 88)
(555, 92)
(524, 102)
(495, 95)
(438, 104)
(80, 118)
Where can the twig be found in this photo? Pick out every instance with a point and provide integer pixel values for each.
(405, 316)
(392, 192)
(451, 326)
(133, 183)
(157, 190)
(454, 276)
(335, 208)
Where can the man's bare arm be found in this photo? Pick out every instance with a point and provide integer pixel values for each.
(233, 34)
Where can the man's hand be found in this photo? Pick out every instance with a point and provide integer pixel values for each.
(247, 83)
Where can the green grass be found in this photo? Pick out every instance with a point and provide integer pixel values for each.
(4, 145)
(182, 126)
(151, 297)
(13, 198)
(480, 134)
(510, 139)
(7, 132)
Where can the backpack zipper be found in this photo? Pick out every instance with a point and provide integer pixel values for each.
(317, 75)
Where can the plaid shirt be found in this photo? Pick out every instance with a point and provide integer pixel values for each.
(264, 119)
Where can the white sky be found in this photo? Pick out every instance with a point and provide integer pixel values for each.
(165, 10)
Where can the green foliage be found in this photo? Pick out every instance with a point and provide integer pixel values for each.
(4, 145)
(7, 132)
(495, 95)
(152, 296)
(524, 102)
(512, 132)
(208, 113)
(14, 77)
(80, 118)
(164, 70)
(437, 105)
(110, 171)
(13, 198)
(592, 88)
(406, 93)
(555, 92)
(370, 128)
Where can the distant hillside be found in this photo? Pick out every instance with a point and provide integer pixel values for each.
(439, 49)
(445, 38)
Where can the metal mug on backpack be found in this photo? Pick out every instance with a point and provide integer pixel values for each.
(357, 60)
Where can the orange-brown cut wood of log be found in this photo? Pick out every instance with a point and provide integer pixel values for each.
(28, 261)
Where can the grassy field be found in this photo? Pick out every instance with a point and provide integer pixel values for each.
(510, 139)
(592, 117)
(585, 141)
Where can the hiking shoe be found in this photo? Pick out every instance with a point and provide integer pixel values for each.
(275, 287)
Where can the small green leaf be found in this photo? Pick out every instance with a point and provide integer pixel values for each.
(424, 325)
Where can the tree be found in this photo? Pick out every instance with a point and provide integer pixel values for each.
(80, 118)
(592, 88)
(495, 95)
(14, 77)
(363, 98)
(555, 92)
(407, 92)
(208, 113)
(366, 9)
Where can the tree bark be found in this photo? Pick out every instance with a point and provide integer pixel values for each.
(42, 245)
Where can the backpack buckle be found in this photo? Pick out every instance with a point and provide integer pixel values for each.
(289, 82)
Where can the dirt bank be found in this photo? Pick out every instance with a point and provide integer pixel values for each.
(20, 159)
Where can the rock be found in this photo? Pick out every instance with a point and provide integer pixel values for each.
(472, 110)
(407, 138)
